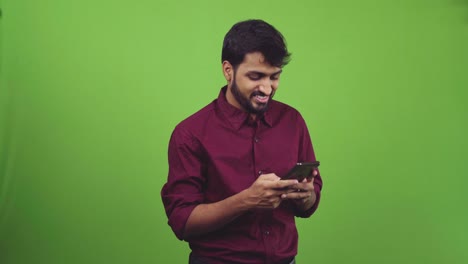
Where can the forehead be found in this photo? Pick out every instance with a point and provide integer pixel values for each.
(255, 61)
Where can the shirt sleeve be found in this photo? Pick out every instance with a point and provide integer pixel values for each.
(183, 189)
(306, 153)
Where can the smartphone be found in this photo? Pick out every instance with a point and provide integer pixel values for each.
(301, 171)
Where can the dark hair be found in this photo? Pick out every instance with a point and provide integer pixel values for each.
(255, 36)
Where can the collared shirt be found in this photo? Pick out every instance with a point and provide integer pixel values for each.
(218, 152)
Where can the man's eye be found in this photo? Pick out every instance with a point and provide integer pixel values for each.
(275, 77)
(254, 77)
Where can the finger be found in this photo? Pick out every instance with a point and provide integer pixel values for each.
(290, 190)
(269, 176)
(315, 173)
(280, 192)
(295, 195)
(305, 185)
(284, 183)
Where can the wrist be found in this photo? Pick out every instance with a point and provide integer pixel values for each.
(242, 199)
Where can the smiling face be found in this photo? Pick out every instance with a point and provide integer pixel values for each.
(252, 84)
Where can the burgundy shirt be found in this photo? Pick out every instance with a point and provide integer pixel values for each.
(218, 152)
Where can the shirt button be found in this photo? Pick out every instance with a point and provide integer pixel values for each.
(266, 233)
(256, 139)
(260, 172)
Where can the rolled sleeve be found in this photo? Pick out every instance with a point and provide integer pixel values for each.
(183, 190)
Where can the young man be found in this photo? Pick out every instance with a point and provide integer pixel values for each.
(223, 194)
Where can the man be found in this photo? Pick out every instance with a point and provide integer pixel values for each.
(224, 194)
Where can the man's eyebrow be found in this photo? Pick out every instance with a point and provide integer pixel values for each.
(264, 74)
(278, 72)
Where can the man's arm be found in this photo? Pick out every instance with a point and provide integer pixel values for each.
(265, 193)
(307, 200)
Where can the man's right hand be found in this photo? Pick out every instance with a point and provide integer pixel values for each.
(266, 191)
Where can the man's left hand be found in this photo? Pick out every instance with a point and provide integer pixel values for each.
(302, 193)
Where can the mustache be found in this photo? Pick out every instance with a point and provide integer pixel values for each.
(255, 93)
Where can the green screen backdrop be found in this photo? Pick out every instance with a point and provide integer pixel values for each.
(91, 90)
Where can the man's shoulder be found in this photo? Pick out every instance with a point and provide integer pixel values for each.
(198, 119)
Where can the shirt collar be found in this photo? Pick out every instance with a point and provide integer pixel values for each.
(236, 116)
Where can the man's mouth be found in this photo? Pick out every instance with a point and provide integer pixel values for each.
(261, 99)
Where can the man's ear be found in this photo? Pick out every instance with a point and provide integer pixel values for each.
(228, 71)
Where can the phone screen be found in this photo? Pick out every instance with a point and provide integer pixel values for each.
(301, 171)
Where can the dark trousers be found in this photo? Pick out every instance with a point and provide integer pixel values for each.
(198, 260)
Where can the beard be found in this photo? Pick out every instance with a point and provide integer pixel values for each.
(246, 102)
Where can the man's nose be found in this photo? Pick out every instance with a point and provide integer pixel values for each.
(266, 87)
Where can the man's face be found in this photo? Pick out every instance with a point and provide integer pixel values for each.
(254, 84)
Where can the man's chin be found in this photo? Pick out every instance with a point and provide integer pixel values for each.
(259, 108)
